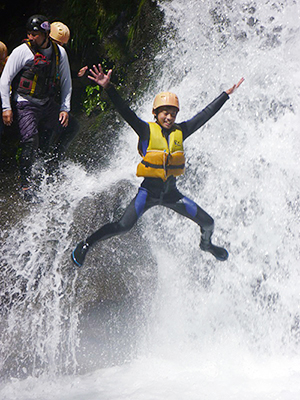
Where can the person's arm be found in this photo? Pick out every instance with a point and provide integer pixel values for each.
(138, 125)
(190, 126)
(65, 87)
(15, 62)
(82, 71)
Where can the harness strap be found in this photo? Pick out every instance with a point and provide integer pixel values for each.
(56, 73)
(33, 84)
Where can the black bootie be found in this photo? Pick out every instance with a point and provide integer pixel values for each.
(79, 253)
(27, 158)
(220, 253)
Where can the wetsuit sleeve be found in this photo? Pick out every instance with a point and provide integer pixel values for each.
(138, 125)
(190, 126)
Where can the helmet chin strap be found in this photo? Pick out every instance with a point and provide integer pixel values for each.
(44, 41)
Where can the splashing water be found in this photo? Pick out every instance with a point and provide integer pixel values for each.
(214, 330)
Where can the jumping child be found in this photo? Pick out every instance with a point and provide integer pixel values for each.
(161, 148)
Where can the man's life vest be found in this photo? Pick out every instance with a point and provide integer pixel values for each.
(41, 78)
(162, 158)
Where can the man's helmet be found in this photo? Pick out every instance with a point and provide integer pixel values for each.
(38, 23)
(60, 32)
(165, 99)
(3, 51)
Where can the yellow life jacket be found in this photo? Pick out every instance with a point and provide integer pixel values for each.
(162, 159)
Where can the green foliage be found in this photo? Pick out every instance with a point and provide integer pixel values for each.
(108, 28)
(18, 154)
(93, 99)
(134, 27)
(120, 34)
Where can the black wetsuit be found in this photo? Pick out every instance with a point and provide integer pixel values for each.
(154, 191)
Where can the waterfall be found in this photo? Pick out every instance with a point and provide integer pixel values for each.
(242, 168)
(185, 319)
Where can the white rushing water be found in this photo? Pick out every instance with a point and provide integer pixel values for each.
(215, 330)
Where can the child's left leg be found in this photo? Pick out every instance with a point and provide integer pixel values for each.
(188, 208)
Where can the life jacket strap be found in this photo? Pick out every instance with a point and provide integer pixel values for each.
(157, 166)
(149, 165)
(176, 166)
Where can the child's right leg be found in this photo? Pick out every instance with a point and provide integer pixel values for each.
(132, 213)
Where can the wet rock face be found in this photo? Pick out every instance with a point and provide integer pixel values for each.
(86, 317)
(116, 285)
(113, 293)
(119, 266)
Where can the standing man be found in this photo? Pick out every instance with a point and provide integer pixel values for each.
(35, 70)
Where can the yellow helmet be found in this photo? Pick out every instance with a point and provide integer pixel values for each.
(165, 99)
(3, 51)
(60, 32)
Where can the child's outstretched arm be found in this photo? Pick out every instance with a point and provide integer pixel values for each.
(98, 76)
(138, 125)
(235, 86)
